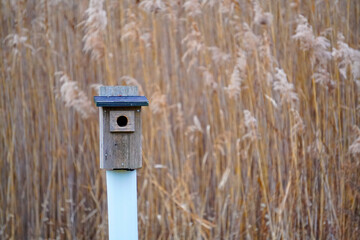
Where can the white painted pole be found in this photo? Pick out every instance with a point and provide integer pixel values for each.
(122, 204)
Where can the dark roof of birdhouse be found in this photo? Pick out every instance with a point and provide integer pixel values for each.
(121, 101)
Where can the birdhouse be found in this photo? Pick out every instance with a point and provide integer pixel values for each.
(120, 127)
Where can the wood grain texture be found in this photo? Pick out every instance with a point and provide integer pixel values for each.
(119, 90)
(120, 150)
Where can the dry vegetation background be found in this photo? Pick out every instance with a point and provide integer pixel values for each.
(251, 133)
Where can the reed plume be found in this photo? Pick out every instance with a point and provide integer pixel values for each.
(74, 97)
(95, 26)
(285, 88)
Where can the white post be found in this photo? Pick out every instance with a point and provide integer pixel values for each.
(122, 204)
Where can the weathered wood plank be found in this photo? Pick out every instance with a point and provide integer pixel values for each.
(119, 90)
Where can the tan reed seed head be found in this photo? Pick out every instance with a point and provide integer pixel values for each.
(251, 125)
(153, 5)
(74, 97)
(260, 17)
(95, 26)
(238, 75)
(354, 148)
(285, 88)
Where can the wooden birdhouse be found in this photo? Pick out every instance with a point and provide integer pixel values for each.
(120, 127)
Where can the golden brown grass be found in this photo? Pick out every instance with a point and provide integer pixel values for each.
(252, 130)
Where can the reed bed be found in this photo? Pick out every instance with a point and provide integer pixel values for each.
(252, 130)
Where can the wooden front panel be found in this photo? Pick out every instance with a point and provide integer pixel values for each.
(120, 150)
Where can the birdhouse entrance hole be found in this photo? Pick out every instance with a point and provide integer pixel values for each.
(122, 121)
